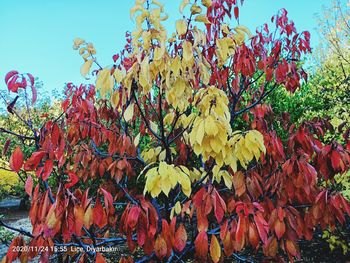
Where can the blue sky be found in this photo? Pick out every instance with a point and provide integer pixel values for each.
(37, 35)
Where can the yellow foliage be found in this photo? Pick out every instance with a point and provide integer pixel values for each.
(150, 156)
(105, 82)
(8, 180)
(211, 134)
(165, 177)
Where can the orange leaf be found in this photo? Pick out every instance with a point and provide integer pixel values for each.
(253, 235)
(88, 219)
(270, 248)
(292, 248)
(239, 183)
(78, 218)
(280, 228)
(160, 247)
(100, 258)
(16, 160)
(215, 249)
(201, 244)
(240, 232)
(180, 238)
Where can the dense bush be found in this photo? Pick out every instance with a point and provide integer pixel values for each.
(173, 150)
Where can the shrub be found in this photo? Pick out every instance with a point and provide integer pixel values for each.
(176, 132)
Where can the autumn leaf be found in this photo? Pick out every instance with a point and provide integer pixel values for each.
(129, 112)
(160, 247)
(85, 68)
(215, 249)
(29, 185)
(100, 258)
(201, 245)
(180, 238)
(16, 160)
(181, 26)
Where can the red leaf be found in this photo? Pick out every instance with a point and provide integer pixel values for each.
(6, 146)
(32, 163)
(29, 186)
(201, 245)
(133, 216)
(335, 158)
(262, 227)
(9, 75)
(108, 200)
(219, 206)
(16, 160)
(141, 230)
(30, 76)
(12, 252)
(236, 11)
(34, 94)
(12, 85)
(100, 218)
(48, 166)
(115, 57)
(73, 178)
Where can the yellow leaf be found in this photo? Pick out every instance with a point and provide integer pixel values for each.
(115, 99)
(165, 184)
(176, 66)
(137, 140)
(195, 9)
(129, 112)
(104, 82)
(185, 183)
(51, 218)
(118, 75)
(227, 179)
(187, 51)
(162, 155)
(77, 42)
(159, 52)
(154, 126)
(210, 126)
(244, 29)
(183, 4)
(215, 249)
(144, 77)
(181, 26)
(155, 2)
(177, 207)
(85, 68)
(202, 18)
(206, 3)
(134, 9)
(200, 132)
(171, 214)
(168, 119)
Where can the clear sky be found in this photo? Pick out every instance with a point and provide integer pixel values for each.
(36, 36)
